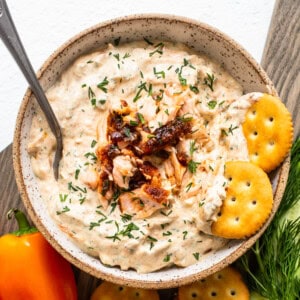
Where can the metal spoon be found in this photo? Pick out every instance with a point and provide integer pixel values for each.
(10, 37)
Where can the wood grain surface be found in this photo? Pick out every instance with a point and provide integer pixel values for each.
(281, 60)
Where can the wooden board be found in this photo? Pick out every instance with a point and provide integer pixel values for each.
(281, 60)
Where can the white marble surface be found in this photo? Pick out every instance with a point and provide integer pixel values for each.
(45, 25)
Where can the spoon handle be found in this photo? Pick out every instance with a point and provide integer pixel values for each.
(10, 37)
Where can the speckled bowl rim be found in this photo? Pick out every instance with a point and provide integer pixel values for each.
(282, 174)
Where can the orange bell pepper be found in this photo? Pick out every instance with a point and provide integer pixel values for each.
(30, 268)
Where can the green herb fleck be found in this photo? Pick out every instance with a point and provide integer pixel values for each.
(142, 87)
(117, 56)
(184, 234)
(64, 210)
(193, 147)
(94, 143)
(159, 74)
(188, 187)
(167, 257)
(141, 118)
(209, 81)
(126, 218)
(77, 171)
(103, 84)
(194, 89)
(152, 241)
(91, 155)
(63, 197)
(231, 128)
(196, 255)
(127, 132)
(133, 123)
(167, 233)
(148, 41)
(192, 166)
(159, 49)
(212, 104)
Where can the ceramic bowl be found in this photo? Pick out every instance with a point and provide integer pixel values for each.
(198, 36)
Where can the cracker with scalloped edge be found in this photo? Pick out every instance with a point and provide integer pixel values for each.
(110, 291)
(268, 130)
(226, 284)
(248, 201)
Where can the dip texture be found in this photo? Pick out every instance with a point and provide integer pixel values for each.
(147, 128)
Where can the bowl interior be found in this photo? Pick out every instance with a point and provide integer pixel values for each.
(198, 36)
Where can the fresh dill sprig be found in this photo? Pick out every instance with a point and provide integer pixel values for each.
(273, 264)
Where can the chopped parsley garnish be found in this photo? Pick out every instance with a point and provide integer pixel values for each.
(93, 102)
(91, 155)
(116, 235)
(92, 96)
(148, 41)
(159, 74)
(141, 118)
(152, 241)
(209, 81)
(184, 234)
(160, 96)
(142, 87)
(166, 213)
(103, 84)
(193, 147)
(192, 166)
(223, 132)
(194, 89)
(126, 55)
(93, 224)
(127, 132)
(77, 171)
(64, 210)
(150, 90)
(102, 101)
(188, 186)
(71, 187)
(128, 229)
(196, 255)
(133, 123)
(63, 197)
(113, 206)
(185, 118)
(126, 218)
(81, 200)
(117, 56)
(150, 136)
(167, 257)
(159, 49)
(181, 79)
(212, 104)
(93, 144)
(167, 233)
(231, 128)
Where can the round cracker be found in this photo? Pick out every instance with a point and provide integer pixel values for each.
(248, 201)
(268, 130)
(226, 284)
(109, 291)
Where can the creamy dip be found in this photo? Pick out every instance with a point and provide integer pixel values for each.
(131, 206)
